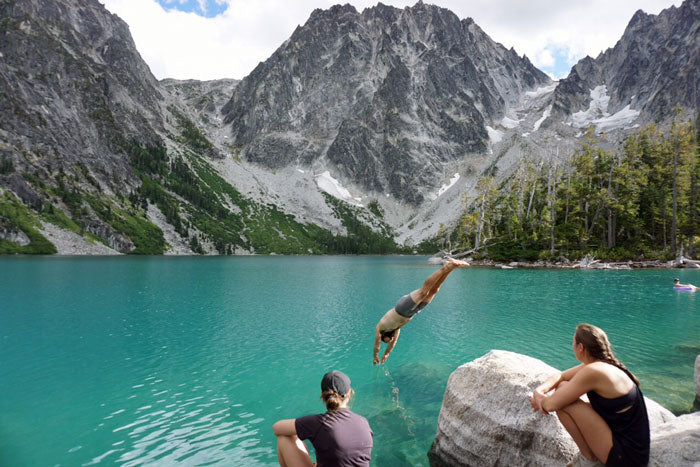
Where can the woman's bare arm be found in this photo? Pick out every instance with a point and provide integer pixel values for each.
(583, 381)
(553, 382)
(285, 427)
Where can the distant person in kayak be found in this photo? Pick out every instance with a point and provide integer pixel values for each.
(339, 436)
(677, 285)
(408, 306)
(614, 427)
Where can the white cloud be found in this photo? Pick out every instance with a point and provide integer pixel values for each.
(230, 45)
(544, 58)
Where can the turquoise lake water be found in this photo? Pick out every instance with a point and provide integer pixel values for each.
(191, 360)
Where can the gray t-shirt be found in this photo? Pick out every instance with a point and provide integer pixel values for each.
(340, 438)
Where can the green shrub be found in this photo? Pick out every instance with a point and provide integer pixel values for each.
(6, 166)
(18, 216)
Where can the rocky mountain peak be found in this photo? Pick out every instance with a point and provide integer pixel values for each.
(650, 70)
(384, 98)
(638, 18)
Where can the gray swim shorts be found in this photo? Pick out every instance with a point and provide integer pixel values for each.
(407, 308)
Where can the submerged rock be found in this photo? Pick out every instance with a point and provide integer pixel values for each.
(486, 418)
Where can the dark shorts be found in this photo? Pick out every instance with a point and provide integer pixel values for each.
(618, 458)
(407, 308)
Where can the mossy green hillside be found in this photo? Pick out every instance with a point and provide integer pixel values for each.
(202, 207)
(361, 238)
(15, 216)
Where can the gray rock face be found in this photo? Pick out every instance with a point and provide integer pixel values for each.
(676, 442)
(652, 68)
(12, 235)
(387, 95)
(72, 88)
(114, 239)
(22, 189)
(486, 418)
(203, 101)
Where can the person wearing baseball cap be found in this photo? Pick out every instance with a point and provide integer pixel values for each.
(339, 436)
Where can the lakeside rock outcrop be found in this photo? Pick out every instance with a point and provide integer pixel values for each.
(676, 442)
(486, 419)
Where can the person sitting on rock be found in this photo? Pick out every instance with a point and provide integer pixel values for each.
(614, 427)
(677, 285)
(389, 327)
(339, 436)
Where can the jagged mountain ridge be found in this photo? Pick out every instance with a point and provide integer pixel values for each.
(93, 144)
(77, 90)
(652, 68)
(386, 96)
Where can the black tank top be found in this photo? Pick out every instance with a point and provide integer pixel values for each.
(630, 429)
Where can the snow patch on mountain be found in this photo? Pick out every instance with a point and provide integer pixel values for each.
(541, 91)
(546, 113)
(620, 119)
(495, 136)
(446, 186)
(333, 187)
(509, 122)
(597, 113)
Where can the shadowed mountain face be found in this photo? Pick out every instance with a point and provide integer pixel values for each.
(73, 88)
(387, 96)
(652, 68)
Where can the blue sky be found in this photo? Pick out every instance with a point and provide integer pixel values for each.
(561, 60)
(211, 39)
(205, 8)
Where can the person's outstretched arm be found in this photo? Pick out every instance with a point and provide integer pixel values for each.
(391, 345)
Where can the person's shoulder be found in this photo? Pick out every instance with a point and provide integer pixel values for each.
(595, 366)
(594, 369)
(309, 419)
(359, 422)
(603, 369)
(361, 418)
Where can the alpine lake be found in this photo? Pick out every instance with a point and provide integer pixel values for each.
(190, 360)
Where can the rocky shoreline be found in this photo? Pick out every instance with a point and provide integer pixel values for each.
(564, 263)
(619, 265)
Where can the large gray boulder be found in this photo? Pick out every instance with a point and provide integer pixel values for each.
(676, 442)
(486, 418)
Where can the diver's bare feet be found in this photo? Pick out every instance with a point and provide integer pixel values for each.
(453, 263)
